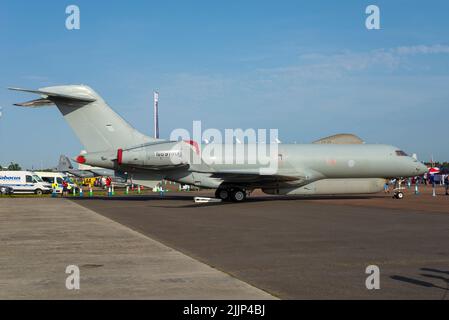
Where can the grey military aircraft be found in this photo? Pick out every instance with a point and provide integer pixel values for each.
(65, 165)
(324, 167)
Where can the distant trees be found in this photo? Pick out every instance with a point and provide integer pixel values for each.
(14, 167)
(437, 164)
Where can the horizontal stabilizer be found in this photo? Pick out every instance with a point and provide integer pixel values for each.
(46, 95)
(35, 103)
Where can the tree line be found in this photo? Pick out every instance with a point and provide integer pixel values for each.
(12, 167)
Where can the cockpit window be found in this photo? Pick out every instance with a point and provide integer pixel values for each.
(401, 153)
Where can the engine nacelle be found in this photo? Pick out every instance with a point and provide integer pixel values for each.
(158, 155)
(166, 154)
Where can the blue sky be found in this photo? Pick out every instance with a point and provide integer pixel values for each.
(308, 68)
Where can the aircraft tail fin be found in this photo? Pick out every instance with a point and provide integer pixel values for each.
(97, 126)
(64, 164)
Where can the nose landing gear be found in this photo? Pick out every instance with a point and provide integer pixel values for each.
(398, 194)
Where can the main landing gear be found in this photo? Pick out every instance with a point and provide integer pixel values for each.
(233, 194)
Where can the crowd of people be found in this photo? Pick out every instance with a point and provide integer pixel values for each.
(103, 182)
(426, 179)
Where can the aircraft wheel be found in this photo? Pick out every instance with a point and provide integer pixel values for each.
(238, 195)
(222, 194)
(398, 195)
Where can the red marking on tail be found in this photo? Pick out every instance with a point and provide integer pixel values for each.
(194, 144)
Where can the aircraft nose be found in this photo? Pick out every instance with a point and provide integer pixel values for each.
(421, 169)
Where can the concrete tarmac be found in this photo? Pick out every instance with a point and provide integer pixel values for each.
(40, 237)
(296, 248)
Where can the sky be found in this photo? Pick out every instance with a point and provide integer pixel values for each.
(307, 68)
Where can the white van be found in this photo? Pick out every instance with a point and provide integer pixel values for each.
(56, 179)
(24, 182)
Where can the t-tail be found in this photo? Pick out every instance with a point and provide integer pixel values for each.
(96, 125)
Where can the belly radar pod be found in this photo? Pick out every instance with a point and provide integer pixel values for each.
(334, 165)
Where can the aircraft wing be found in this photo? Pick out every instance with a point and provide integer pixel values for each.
(255, 178)
(250, 175)
(101, 172)
(81, 173)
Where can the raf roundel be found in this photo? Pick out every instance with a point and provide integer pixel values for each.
(351, 163)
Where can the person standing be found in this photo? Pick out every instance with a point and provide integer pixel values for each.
(108, 183)
(432, 182)
(386, 187)
(416, 185)
(65, 186)
(446, 184)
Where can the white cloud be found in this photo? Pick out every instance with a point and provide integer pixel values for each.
(335, 65)
(422, 49)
